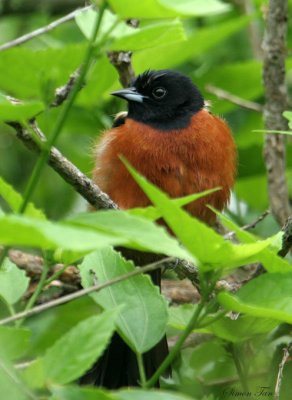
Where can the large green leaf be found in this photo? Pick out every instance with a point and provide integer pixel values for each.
(136, 394)
(153, 214)
(14, 200)
(151, 36)
(237, 330)
(167, 8)
(11, 386)
(197, 43)
(79, 393)
(26, 73)
(196, 8)
(137, 232)
(122, 37)
(13, 341)
(13, 282)
(24, 231)
(143, 318)
(210, 249)
(77, 350)
(268, 257)
(18, 111)
(268, 296)
(148, 9)
(50, 325)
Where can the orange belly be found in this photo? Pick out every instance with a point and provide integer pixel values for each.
(191, 160)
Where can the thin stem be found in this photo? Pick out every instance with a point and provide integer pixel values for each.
(239, 368)
(39, 288)
(56, 275)
(212, 320)
(176, 348)
(3, 255)
(141, 369)
(42, 160)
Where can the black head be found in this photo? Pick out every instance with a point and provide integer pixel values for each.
(162, 99)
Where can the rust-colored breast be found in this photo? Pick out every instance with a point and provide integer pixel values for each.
(194, 159)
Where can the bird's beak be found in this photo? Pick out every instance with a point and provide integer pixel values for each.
(129, 94)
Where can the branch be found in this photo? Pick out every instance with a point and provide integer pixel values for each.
(286, 354)
(274, 48)
(253, 224)
(68, 171)
(121, 60)
(223, 94)
(84, 292)
(40, 31)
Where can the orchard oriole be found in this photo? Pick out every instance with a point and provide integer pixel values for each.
(171, 138)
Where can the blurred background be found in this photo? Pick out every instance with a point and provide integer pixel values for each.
(221, 49)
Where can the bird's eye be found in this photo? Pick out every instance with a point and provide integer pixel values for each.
(159, 93)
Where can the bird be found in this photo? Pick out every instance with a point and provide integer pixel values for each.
(170, 137)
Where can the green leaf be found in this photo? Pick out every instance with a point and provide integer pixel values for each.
(18, 111)
(288, 115)
(198, 8)
(147, 9)
(135, 231)
(268, 296)
(209, 248)
(13, 282)
(179, 316)
(268, 257)
(151, 36)
(27, 73)
(197, 44)
(242, 328)
(24, 231)
(153, 214)
(11, 385)
(78, 349)
(110, 25)
(121, 36)
(13, 341)
(14, 200)
(34, 374)
(80, 393)
(143, 318)
(50, 325)
(136, 394)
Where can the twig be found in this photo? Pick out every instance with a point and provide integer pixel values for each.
(223, 94)
(63, 92)
(40, 31)
(68, 171)
(121, 60)
(84, 292)
(252, 225)
(286, 353)
(276, 102)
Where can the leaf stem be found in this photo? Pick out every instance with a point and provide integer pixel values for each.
(141, 369)
(36, 174)
(39, 288)
(56, 274)
(239, 368)
(176, 348)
